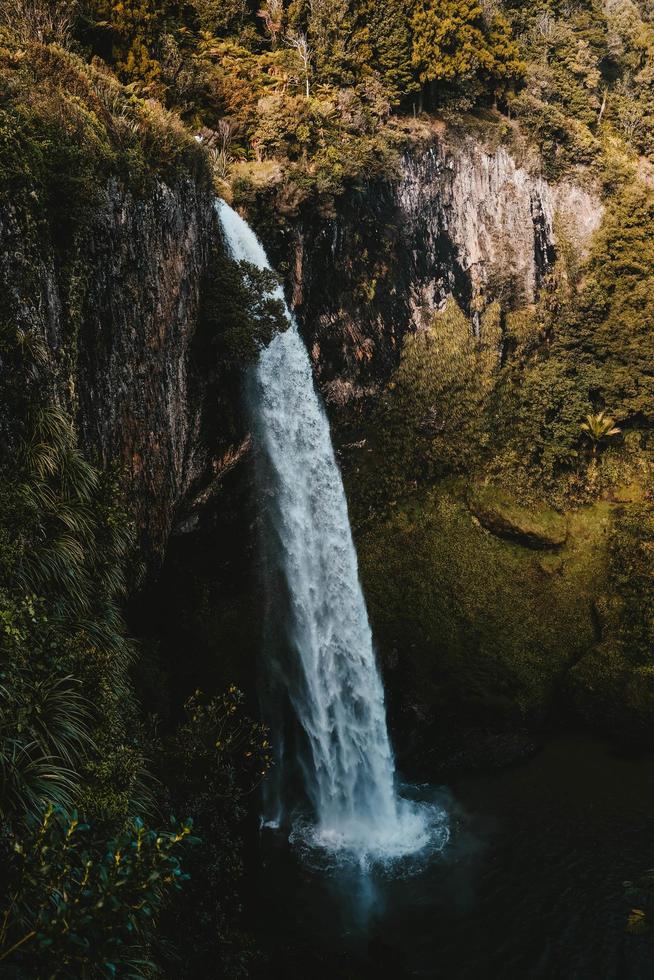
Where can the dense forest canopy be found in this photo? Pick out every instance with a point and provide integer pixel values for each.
(553, 63)
(315, 85)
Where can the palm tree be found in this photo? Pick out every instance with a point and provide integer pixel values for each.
(598, 428)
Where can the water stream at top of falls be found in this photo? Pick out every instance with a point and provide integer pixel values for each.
(329, 673)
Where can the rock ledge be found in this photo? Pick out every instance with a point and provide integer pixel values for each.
(535, 526)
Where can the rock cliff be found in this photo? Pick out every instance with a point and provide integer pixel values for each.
(119, 308)
(460, 219)
(119, 305)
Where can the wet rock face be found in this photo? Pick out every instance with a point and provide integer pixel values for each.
(140, 392)
(497, 219)
(459, 220)
(119, 308)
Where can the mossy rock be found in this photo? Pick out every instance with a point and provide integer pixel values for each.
(535, 526)
(470, 626)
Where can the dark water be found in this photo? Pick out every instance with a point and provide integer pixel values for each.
(530, 886)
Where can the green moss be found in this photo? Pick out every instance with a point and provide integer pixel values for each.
(498, 510)
(481, 629)
(476, 623)
(613, 686)
(607, 692)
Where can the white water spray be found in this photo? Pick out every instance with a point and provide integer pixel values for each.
(334, 687)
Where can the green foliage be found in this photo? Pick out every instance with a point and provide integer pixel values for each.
(134, 29)
(66, 126)
(65, 548)
(599, 427)
(434, 416)
(215, 760)
(538, 408)
(439, 391)
(217, 747)
(45, 733)
(330, 29)
(69, 729)
(328, 142)
(589, 80)
(77, 907)
(387, 34)
(632, 581)
(85, 900)
(242, 310)
(562, 141)
(587, 69)
(612, 687)
(452, 42)
(347, 60)
(221, 17)
(456, 403)
(611, 331)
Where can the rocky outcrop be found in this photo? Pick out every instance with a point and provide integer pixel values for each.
(119, 302)
(141, 391)
(459, 220)
(119, 307)
(501, 514)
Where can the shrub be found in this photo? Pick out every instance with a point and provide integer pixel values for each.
(215, 760)
(77, 907)
(45, 21)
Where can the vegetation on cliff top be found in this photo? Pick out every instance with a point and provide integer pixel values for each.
(317, 87)
(308, 97)
(66, 125)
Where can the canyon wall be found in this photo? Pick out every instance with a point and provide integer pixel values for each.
(120, 308)
(460, 219)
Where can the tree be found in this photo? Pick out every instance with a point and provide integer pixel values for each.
(298, 42)
(453, 43)
(507, 66)
(329, 28)
(384, 44)
(221, 17)
(133, 31)
(449, 43)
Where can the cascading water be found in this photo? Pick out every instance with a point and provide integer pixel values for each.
(333, 682)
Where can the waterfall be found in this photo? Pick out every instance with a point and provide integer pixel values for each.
(330, 675)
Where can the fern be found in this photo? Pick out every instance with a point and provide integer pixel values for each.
(71, 550)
